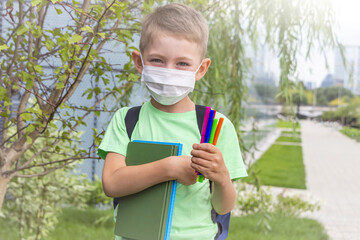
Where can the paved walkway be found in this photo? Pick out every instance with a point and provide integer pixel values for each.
(332, 163)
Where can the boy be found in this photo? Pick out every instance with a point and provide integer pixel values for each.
(172, 57)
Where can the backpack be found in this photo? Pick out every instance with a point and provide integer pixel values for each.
(132, 117)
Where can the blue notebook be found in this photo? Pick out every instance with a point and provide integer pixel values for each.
(148, 214)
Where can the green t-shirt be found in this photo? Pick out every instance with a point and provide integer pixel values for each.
(192, 210)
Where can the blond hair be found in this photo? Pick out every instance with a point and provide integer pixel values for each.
(177, 19)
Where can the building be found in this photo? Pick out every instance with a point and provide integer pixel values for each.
(261, 59)
(309, 85)
(349, 73)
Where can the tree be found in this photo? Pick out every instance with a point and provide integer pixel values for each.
(36, 202)
(328, 94)
(29, 50)
(266, 92)
(346, 114)
(43, 66)
(299, 96)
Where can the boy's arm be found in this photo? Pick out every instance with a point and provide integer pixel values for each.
(208, 160)
(223, 196)
(121, 180)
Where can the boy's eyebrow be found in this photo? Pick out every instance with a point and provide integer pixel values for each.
(184, 58)
(155, 55)
(181, 58)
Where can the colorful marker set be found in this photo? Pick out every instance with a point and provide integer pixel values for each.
(210, 131)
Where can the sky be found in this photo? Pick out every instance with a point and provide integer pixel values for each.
(348, 32)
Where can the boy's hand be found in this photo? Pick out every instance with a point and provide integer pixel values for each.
(183, 172)
(207, 159)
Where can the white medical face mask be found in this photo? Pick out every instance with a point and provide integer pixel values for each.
(168, 86)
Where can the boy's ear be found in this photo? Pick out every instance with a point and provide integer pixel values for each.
(137, 61)
(203, 69)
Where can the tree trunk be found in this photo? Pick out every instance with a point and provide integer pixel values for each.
(3, 186)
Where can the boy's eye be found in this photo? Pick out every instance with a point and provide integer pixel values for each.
(183, 64)
(156, 60)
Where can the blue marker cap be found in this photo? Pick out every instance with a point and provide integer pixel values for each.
(209, 126)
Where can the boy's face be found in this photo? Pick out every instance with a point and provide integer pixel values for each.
(169, 51)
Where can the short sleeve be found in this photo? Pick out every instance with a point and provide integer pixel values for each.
(228, 144)
(115, 138)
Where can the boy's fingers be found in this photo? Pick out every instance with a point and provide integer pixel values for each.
(201, 154)
(199, 168)
(205, 147)
(201, 162)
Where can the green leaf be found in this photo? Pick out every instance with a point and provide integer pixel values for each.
(29, 140)
(2, 47)
(58, 11)
(7, 103)
(26, 77)
(59, 85)
(30, 128)
(99, 71)
(35, 2)
(2, 93)
(96, 40)
(87, 29)
(38, 68)
(57, 149)
(76, 38)
(57, 70)
(106, 81)
(127, 33)
(101, 34)
(4, 114)
(90, 95)
(37, 32)
(97, 90)
(22, 30)
(26, 116)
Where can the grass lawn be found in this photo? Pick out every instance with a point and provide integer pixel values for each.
(295, 133)
(73, 224)
(289, 139)
(353, 133)
(79, 224)
(250, 137)
(288, 124)
(280, 166)
(282, 228)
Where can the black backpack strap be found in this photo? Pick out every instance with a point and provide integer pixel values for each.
(131, 118)
(200, 114)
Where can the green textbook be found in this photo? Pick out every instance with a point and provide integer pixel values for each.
(147, 214)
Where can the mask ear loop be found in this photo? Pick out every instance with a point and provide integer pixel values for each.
(142, 61)
(199, 67)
